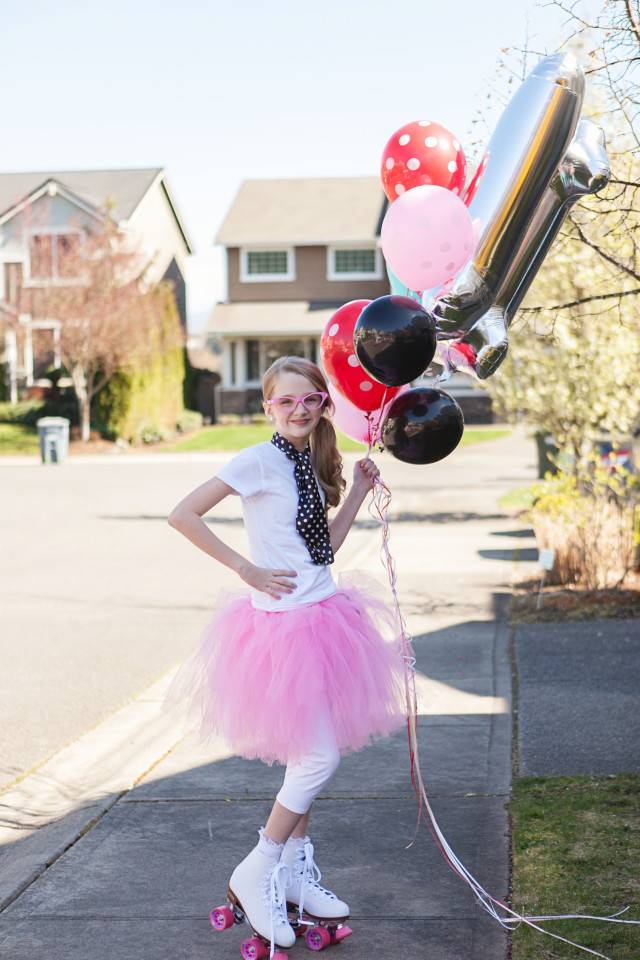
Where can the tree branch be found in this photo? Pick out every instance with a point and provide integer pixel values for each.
(601, 253)
(577, 303)
(632, 19)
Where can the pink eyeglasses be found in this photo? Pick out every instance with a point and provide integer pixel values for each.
(312, 401)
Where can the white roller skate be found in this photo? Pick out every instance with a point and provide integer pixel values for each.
(257, 896)
(311, 905)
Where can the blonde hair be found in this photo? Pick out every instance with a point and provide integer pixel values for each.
(325, 455)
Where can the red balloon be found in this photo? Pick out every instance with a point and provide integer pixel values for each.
(343, 367)
(357, 424)
(471, 190)
(420, 154)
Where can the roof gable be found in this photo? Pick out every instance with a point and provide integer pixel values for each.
(304, 212)
(126, 189)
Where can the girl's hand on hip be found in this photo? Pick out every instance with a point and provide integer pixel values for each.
(364, 473)
(272, 582)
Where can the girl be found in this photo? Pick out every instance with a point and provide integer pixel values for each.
(296, 669)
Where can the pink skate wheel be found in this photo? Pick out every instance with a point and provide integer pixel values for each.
(318, 938)
(221, 918)
(339, 933)
(253, 949)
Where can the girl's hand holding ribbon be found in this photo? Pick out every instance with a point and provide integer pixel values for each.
(365, 472)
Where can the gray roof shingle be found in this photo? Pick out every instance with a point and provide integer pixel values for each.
(304, 211)
(125, 188)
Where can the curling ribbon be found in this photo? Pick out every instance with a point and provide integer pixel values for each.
(378, 509)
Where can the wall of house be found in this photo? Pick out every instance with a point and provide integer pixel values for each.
(310, 284)
(174, 276)
(156, 229)
(46, 213)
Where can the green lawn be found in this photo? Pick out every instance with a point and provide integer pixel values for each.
(576, 849)
(16, 439)
(244, 435)
(521, 498)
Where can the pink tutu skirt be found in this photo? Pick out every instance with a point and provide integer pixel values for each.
(262, 680)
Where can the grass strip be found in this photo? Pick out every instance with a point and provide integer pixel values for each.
(576, 849)
(16, 439)
(232, 437)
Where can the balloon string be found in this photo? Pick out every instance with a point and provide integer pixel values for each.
(378, 509)
(375, 426)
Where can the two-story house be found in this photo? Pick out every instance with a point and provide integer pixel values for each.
(42, 215)
(297, 250)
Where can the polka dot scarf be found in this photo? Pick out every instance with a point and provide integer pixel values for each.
(311, 522)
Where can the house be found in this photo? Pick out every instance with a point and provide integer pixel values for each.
(296, 250)
(42, 215)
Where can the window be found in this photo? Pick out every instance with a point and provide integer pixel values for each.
(54, 256)
(12, 282)
(253, 360)
(354, 263)
(282, 348)
(248, 359)
(44, 353)
(260, 266)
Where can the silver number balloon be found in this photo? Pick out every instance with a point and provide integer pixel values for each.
(524, 155)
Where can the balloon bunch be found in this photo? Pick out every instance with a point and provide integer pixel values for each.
(460, 260)
(540, 160)
(371, 350)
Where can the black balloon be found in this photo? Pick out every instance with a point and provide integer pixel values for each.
(422, 426)
(395, 340)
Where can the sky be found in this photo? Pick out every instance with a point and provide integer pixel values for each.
(217, 91)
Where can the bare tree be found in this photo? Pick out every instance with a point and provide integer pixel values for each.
(575, 348)
(608, 224)
(108, 315)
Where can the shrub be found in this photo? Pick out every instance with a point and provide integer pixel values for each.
(188, 421)
(152, 433)
(144, 398)
(26, 412)
(591, 522)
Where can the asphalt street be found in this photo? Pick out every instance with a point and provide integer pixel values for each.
(100, 597)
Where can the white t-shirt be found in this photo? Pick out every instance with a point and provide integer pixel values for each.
(263, 477)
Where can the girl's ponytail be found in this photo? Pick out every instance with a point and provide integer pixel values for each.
(327, 461)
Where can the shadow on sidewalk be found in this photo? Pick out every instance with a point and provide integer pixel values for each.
(141, 881)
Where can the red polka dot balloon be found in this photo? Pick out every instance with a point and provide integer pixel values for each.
(422, 154)
(341, 365)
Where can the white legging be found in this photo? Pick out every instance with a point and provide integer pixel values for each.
(304, 780)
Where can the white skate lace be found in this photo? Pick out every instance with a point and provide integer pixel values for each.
(309, 874)
(273, 894)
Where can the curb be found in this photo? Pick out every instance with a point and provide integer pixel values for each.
(49, 810)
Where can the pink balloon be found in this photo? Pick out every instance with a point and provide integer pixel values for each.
(426, 236)
(359, 425)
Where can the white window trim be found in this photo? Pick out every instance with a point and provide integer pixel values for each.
(331, 272)
(288, 277)
(28, 280)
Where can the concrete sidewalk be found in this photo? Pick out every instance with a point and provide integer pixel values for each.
(120, 845)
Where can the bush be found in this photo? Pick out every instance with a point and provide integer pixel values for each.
(591, 522)
(188, 421)
(152, 433)
(26, 412)
(146, 399)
